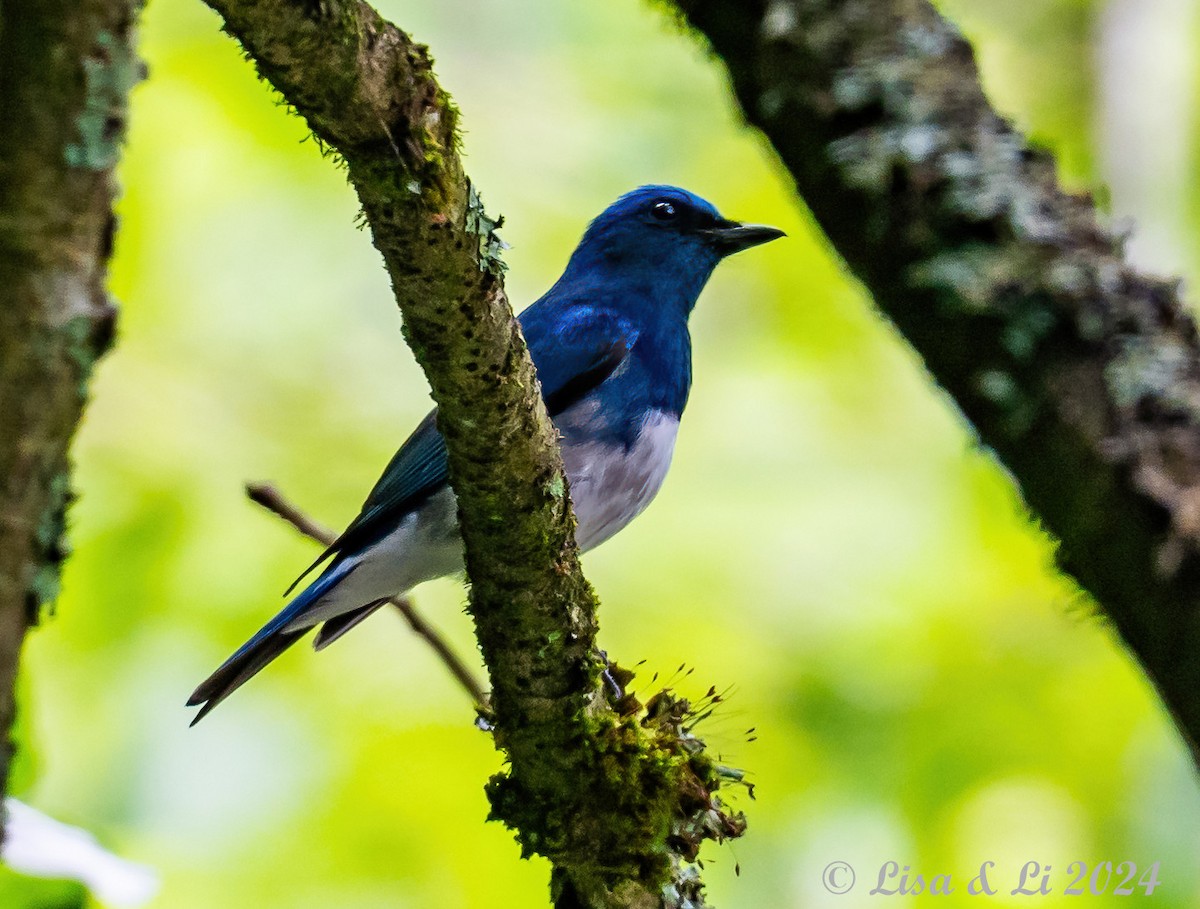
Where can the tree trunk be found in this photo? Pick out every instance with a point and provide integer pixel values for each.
(66, 68)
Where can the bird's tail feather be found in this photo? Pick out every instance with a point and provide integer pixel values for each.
(270, 641)
(335, 628)
(240, 668)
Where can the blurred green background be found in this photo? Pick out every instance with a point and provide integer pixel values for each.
(832, 543)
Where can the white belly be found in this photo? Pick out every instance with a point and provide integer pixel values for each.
(425, 545)
(609, 488)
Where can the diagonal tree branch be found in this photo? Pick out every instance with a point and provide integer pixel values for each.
(66, 68)
(1082, 374)
(272, 500)
(617, 800)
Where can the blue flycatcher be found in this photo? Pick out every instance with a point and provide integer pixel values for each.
(614, 358)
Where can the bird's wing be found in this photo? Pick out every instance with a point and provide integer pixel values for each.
(415, 471)
(573, 354)
(574, 350)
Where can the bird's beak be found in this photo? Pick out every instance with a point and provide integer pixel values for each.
(729, 237)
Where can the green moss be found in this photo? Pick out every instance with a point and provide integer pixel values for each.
(556, 487)
(51, 526)
(997, 386)
(450, 118)
(51, 550)
(44, 588)
(657, 787)
(83, 340)
(109, 72)
(1028, 326)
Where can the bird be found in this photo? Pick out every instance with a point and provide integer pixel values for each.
(612, 350)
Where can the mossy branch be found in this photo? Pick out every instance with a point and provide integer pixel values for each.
(616, 799)
(66, 68)
(1082, 374)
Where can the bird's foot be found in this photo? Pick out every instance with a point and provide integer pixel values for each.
(609, 674)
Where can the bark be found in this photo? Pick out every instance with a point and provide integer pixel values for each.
(66, 68)
(1082, 374)
(615, 798)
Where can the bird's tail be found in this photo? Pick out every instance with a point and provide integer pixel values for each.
(332, 629)
(272, 639)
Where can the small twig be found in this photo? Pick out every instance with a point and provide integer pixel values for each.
(270, 498)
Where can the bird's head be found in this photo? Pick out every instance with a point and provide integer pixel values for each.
(664, 240)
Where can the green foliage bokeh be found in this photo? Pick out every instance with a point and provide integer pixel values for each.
(832, 543)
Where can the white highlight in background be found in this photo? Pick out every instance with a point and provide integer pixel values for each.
(40, 846)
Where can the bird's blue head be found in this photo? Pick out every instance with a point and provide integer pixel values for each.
(659, 243)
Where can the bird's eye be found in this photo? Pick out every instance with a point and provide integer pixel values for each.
(664, 211)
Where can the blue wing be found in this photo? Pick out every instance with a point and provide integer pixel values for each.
(574, 350)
